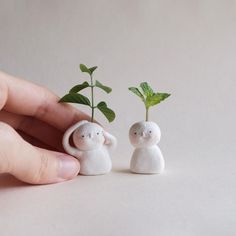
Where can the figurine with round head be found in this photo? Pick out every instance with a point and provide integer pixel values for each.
(92, 147)
(88, 136)
(92, 144)
(145, 135)
(147, 157)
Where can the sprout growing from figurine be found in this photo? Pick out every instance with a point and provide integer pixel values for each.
(147, 157)
(92, 143)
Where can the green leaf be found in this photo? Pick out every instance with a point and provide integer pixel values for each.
(137, 92)
(85, 69)
(79, 87)
(155, 99)
(92, 69)
(103, 87)
(107, 112)
(147, 90)
(75, 98)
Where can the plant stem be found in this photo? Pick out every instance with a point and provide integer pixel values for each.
(147, 113)
(92, 98)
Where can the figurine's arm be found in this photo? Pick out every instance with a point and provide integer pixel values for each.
(110, 140)
(66, 144)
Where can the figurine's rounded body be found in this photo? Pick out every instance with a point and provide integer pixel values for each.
(147, 160)
(92, 147)
(147, 157)
(95, 162)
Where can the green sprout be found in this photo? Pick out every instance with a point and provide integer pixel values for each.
(148, 97)
(75, 97)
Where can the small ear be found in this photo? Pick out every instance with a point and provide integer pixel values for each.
(110, 140)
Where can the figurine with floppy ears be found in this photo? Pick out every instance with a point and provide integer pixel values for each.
(92, 144)
(144, 135)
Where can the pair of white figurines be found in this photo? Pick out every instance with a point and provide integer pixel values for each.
(92, 147)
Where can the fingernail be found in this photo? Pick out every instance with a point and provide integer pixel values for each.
(68, 167)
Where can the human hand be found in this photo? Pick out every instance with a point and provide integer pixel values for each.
(32, 123)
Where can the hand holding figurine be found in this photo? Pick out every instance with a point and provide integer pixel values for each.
(32, 124)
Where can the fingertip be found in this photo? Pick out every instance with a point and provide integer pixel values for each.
(69, 167)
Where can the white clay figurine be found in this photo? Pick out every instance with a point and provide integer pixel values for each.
(92, 144)
(92, 147)
(147, 157)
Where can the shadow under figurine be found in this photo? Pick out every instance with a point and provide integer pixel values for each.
(92, 143)
(147, 157)
(92, 147)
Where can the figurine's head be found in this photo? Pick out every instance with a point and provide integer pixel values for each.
(88, 136)
(144, 134)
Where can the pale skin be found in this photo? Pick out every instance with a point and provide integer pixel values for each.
(32, 124)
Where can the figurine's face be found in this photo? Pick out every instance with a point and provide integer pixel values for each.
(88, 136)
(144, 134)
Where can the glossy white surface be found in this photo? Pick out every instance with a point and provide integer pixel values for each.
(186, 48)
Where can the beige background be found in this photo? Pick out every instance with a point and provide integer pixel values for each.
(186, 48)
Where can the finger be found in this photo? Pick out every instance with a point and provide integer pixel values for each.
(35, 128)
(31, 164)
(22, 97)
(37, 143)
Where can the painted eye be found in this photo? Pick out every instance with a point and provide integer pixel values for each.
(150, 131)
(97, 133)
(135, 133)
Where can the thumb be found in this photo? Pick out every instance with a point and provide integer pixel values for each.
(30, 164)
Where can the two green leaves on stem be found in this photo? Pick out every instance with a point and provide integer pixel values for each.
(148, 96)
(74, 95)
